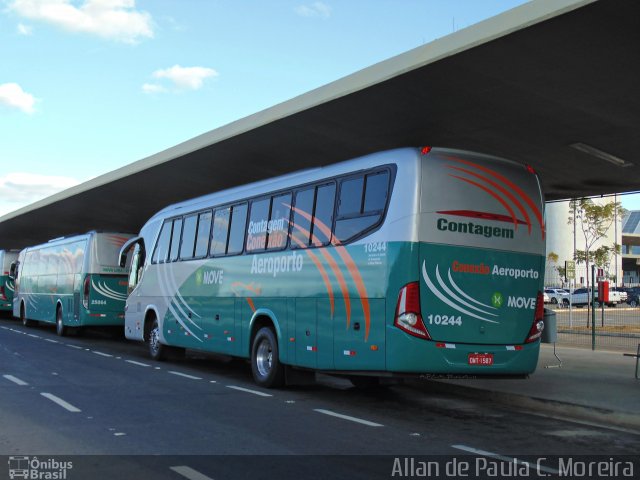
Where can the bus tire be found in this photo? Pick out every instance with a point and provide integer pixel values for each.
(23, 317)
(61, 330)
(157, 350)
(266, 368)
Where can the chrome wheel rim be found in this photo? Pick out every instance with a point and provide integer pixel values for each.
(264, 358)
(153, 341)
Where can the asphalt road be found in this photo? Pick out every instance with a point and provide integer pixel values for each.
(103, 397)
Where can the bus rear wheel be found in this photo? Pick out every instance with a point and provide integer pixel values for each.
(266, 368)
(61, 330)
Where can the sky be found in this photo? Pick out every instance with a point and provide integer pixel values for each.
(88, 86)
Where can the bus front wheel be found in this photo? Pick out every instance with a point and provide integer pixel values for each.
(157, 350)
(23, 317)
(61, 330)
(267, 370)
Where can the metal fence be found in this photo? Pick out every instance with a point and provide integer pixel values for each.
(615, 328)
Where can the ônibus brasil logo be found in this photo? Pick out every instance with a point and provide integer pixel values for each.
(35, 468)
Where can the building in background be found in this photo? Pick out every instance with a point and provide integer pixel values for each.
(631, 248)
(563, 240)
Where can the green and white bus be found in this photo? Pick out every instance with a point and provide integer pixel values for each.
(7, 257)
(72, 281)
(409, 261)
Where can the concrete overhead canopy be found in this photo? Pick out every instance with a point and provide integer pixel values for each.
(542, 84)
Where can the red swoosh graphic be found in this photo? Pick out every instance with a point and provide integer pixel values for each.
(508, 182)
(501, 189)
(493, 194)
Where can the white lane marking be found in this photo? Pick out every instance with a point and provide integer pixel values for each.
(184, 375)
(504, 458)
(347, 417)
(140, 364)
(101, 354)
(5, 328)
(189, 473)
(119, 434)
(212, 381)
(15, 380)
(75, 346)
(255, 392)
(50, 340)
(32, 335)
(62, 403)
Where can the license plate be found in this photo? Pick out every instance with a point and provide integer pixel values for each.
(484, 359)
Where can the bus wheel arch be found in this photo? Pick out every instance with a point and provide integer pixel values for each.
(23, 316)
(266, 367)
(157, 350)
(149, 317)
(61, 329)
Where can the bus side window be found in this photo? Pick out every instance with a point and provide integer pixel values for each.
(376, 192)
(258, 220)
(351, 197)
(188, 237)
(362, 203)
(237, 230)
(175, 239)
(323, 214)
(220, 232)
(278, 227)
(162, 245)
(303, 211)
(202, 235)
(135, 273)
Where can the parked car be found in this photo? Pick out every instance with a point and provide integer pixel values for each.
(581, 297)
(557, 296)
(633, 299)
(623, 293)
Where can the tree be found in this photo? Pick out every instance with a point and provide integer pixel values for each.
(594, 221)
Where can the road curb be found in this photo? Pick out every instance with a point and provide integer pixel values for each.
(573, 411)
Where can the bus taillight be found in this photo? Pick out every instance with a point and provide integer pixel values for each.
(538, 324)
(408, 314)
(85, 291)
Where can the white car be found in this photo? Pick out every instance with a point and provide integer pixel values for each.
(556, 296)
(580, 297)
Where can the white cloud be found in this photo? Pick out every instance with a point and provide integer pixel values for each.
(153, 88)
(24, 29)
(182, 78)
(315, 9)
(112, 19)
(12, 96)
(19, 189)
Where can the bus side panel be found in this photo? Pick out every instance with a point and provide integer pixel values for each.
(360, 343)
(218, 316)
(325, 329)
(306, 337)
